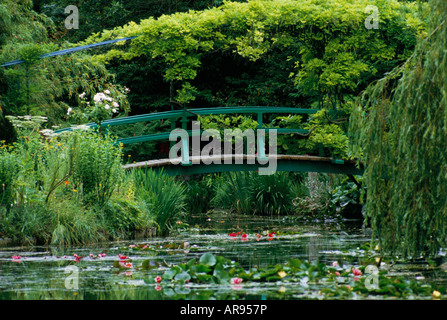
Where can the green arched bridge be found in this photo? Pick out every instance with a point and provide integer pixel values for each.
(189, 163)
(186, 164)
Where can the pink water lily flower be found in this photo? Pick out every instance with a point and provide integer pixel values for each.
(16, 258)
(356, 272)
(158, 279)
(126, 265)
(236, 280)
(123, 257)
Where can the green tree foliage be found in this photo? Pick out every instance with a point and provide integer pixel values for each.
(51, 86)
(97, 15)
(327, 43)
(43, 86)
(400, 131)
(288, 53)
(19, 23)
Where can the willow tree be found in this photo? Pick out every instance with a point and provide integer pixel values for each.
(401, 132)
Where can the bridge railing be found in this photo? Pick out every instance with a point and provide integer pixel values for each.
(185, 116)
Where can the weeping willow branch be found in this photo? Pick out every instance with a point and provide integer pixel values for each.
(402, 141)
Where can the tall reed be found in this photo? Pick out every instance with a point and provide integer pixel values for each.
(249, 192)
(163, 197)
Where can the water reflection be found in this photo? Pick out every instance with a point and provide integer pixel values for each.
(41, 273)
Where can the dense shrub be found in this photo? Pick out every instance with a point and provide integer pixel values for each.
(96, 165)
(51, 189)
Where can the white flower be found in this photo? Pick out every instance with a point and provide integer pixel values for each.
(48, 132)
(82, 95)
(106, 91)
(99, 96)
(114, 110)
(107, 107)
(115, 104)
(70, 109)
(81, 127)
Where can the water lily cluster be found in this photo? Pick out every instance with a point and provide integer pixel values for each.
(258, 236)
(337, 280)
(294, 277)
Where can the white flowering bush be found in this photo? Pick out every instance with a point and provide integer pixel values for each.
(102, 107)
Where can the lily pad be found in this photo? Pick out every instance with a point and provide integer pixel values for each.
(221, 274)
(182, 276)
(149, 264)
(208, 259)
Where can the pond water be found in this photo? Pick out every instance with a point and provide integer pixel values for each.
(44, 272)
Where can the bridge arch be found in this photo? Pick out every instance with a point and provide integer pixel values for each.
(189, 165)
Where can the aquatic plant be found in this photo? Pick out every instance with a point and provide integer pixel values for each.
(249, 192)
(163, 197)
(199, 193)
(336, 281)
(272, 193)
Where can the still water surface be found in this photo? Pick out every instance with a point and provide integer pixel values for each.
(45, 272)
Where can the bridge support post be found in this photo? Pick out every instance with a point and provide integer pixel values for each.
(185, 151)
(262, 158)
(182, 145)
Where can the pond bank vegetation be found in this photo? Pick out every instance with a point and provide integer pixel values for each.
(70, 189)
